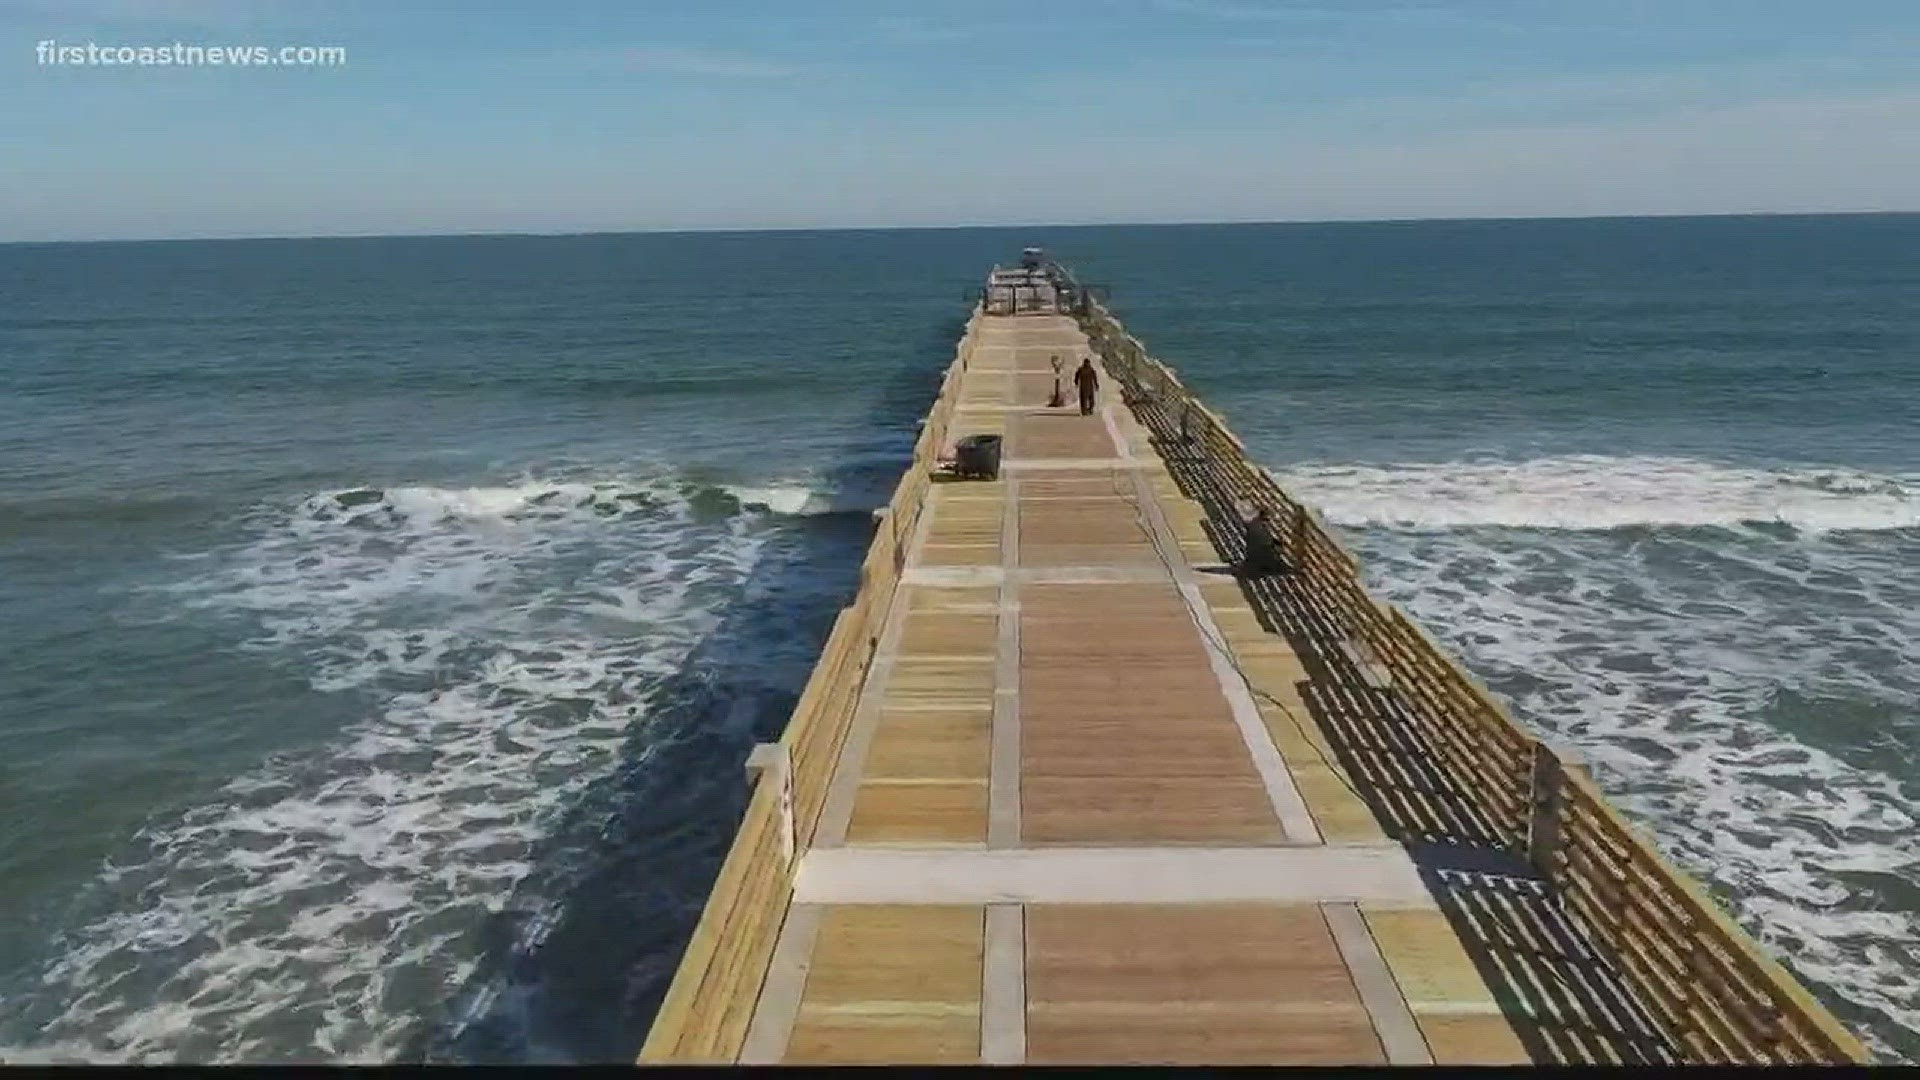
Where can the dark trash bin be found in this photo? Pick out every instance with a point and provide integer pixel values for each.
(977, 455)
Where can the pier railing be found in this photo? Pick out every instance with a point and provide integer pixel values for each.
(1715, 994)
(705, 1014)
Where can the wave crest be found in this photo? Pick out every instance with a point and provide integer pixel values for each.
(1593, 492)
(537, 500)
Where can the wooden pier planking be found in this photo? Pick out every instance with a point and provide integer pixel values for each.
(1038, 674)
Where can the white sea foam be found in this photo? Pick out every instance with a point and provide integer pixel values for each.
(781, 499)
(1595, 492)
(505, 641)
(538, 500)
(1753, 697)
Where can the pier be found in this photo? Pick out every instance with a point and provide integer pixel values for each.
(1076, 781)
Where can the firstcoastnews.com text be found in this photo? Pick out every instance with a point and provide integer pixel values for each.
(176, 54)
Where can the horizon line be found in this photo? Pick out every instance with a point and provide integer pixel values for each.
(756, 230)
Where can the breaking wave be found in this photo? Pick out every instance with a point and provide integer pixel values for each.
(1596, 492)
(504, 644)
(538, 500)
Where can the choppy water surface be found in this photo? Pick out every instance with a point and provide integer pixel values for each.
(385, 619)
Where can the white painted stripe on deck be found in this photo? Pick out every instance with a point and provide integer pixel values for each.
(1288, 804)
(779, 1004)
(1024, 408)
(1003, 764)
(1071, 464)
(1093, 575)
(952, 577)
(1121, 447)
(1379, 992)
(1380, 874)
(990, 576)
(1003, 987)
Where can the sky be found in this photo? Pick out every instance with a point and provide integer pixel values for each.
(488, 116)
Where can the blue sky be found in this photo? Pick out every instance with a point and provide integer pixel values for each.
(540, 117)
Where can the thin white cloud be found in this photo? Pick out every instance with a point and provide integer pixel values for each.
(705, 64)
(1288, 43)
(1250, 11)
(921, 32)
(1236, 11)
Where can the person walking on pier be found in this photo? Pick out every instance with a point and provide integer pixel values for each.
(1088, 381)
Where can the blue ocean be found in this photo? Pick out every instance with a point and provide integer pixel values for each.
(383, 621)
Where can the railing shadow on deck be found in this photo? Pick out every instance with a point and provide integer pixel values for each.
(579, 962)
(1391, 760)
(1564, 1000)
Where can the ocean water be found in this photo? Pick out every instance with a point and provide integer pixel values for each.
(384, 620)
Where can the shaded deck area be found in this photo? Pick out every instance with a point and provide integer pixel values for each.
(1103, 801)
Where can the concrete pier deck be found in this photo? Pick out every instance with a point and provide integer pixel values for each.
(1088, 796)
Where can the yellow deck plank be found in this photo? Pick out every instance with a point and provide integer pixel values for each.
(928, 744)
(1342, 816)
(1453, 1005)
(960, 555)
(949, 635)
(892, 985)
(941, 811)
(970, 600)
